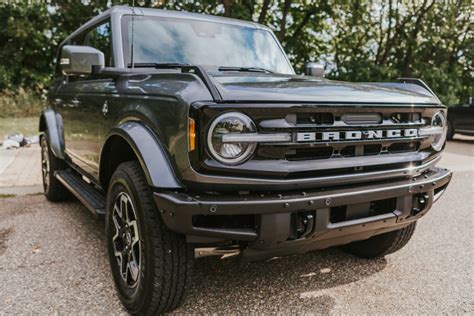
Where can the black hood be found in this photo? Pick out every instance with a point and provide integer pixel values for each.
(274, 88)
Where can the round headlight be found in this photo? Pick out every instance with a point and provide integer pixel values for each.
(439, 122)
(230, 153)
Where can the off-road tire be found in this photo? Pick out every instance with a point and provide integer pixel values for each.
(166, 260)
(450, 133)
(381, 245)
(53, 189)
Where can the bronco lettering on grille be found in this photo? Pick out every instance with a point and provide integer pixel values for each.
(355, 135)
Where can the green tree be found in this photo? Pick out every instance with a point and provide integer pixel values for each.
(24, 53)
(378, 40)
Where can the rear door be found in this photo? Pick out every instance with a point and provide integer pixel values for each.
(83, 103)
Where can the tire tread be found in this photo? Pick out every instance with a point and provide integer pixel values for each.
(383, 244)
(56, 191)
(171, 278)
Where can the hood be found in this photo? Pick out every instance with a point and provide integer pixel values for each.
(283, 88)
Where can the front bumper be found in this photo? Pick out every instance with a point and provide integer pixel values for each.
(270, 235)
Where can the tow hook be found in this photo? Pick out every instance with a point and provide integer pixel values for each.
(303, 224)
(420, 203)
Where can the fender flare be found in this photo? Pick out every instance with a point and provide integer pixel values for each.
(53, 123)
(150, 153)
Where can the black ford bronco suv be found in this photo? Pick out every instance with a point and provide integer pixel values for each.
(193, 136)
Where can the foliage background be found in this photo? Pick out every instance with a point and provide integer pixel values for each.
(377, 40)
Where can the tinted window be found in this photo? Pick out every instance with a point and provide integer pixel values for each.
(174, 40)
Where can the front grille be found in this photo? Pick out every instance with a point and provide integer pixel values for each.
(353, 122)
(403, 147)
(308, 154)
(318, 154)
(350, 151)
(314, 119)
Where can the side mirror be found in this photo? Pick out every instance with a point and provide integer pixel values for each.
(314, 69)
(78, 60)
(471, 102)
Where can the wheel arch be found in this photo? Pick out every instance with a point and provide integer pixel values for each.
(52, 122)
(134, 141)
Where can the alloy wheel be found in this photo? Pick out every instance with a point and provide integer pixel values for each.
(45, 167)
(126, 240)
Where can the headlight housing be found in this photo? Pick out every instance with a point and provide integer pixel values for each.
(440, 125)
(230, 153)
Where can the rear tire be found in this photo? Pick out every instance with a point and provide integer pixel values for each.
(53, 189)
(381, 245)
(160, 261)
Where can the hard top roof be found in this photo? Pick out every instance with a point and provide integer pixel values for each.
(127, 10)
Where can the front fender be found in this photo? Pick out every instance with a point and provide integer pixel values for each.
(151, 155)
(52, 122)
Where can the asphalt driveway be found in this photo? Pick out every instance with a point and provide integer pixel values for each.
(53, 259)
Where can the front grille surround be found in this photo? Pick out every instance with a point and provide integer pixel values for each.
(320, 118)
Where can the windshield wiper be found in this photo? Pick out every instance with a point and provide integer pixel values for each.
(249, 69)
(158, 65)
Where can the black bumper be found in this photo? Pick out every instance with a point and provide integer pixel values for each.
(270, 234)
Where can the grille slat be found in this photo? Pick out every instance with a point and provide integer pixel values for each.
(362, 124)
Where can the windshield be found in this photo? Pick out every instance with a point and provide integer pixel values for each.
(175, 40)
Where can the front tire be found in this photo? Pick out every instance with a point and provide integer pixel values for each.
(156, 272)
(381, 245)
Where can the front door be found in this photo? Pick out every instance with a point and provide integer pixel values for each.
(83, 102)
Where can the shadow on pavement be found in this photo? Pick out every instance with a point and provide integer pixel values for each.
(299, 281)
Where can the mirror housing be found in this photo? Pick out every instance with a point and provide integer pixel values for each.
(78, 60)
(314, 69)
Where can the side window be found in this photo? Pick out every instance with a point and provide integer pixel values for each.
(99, 37)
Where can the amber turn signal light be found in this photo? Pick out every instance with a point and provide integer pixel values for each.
(192, 135)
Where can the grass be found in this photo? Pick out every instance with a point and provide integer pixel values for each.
(21, 103)
(25, 125)
(19, 113)
(6, 196)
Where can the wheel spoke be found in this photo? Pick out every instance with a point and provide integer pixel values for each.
(124, 207)
(117, 228)
(118, 210)
(133, 267)
(120, 261)
(136, 236)
(126, 240)
(45, 163)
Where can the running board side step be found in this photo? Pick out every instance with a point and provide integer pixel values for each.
(84, 192)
